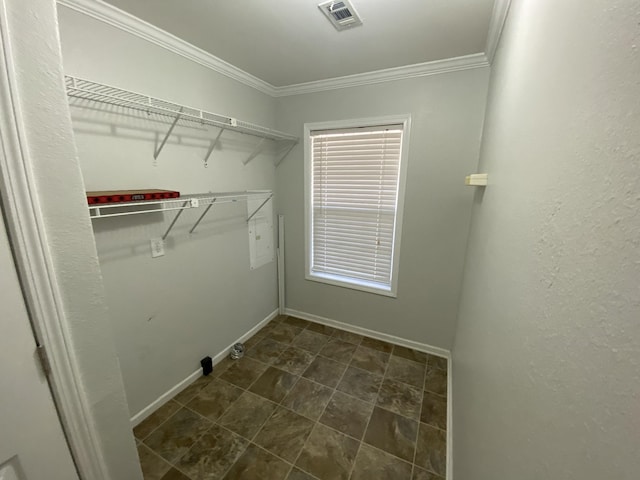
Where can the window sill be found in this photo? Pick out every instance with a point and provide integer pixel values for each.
(361, 285)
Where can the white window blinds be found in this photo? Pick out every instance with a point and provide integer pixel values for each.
(354, 198)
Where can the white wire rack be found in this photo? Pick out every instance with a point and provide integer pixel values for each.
(82, 91)
(205, 200)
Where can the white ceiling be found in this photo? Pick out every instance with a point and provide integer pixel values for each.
(287, 42)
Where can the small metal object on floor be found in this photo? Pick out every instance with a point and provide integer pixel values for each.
(237, 351)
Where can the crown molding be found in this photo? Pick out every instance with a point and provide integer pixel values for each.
(447, 65)
(126, 22)
(498, 19)
(115, 17)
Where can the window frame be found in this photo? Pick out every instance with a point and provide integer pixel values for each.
(354, 284)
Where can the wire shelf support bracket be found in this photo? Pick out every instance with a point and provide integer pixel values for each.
(178, 205)
(284, 155)
(212, 147)
(192, 203)
(206, 210)
(258, 209)
(166, 137)
(255, 153)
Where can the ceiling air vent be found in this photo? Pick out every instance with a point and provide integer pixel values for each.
(341, 14)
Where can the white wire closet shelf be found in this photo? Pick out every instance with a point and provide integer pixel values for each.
(88, 91)
(180, 204)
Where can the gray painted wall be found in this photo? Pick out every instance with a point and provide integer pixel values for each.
(447, 113)
(168, 313)
(546, 363)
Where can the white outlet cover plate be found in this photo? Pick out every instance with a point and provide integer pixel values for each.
(157, 247)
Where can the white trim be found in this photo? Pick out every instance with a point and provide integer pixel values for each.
(336, 281)
(405, 120)
(498, 19)
(450, 418)
(126, 22)
(281, 264)
(173, 391)
(422, 347)
(33, 259)
(164, 398)
(467, 62)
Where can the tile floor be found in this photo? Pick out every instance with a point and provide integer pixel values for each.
(306, 402)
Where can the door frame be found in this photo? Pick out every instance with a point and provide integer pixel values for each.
(33, 259)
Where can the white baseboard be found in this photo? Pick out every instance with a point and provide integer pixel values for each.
(164, 398)
(450, 418)
(422, 347)
(173, 391)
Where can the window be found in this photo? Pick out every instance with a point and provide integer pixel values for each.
(354, 195)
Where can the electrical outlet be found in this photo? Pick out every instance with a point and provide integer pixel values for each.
(157, 247)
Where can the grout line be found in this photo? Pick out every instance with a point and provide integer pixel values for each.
(157, 455)
(424, 381)
(280, 405)
(317, 421)
(195, 442)
(370, 416)
(270, 453)
(240, 455)
(163, 422)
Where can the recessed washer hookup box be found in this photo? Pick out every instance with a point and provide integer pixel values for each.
(124, 196)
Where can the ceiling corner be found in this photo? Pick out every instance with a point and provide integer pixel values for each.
(498, 18)
(126, 22)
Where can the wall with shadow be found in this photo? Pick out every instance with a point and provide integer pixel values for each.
(169, 312)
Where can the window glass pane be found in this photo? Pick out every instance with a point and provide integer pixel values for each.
(354, 198)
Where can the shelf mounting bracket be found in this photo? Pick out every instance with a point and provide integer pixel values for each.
(206, 210)
(258, 209)
(287, 151)
(213, 145)
(255, 152)
(166, 137)
(175, 219)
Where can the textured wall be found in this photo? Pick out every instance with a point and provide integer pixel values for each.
(447, 113)
(49, 139)
(168, 313)
(546, 363)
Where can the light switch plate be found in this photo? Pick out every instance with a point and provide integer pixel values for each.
(157, 247)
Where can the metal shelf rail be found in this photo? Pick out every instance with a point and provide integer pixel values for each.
(82, 90)
(180, 205)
